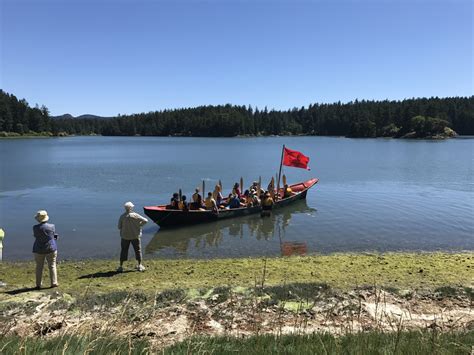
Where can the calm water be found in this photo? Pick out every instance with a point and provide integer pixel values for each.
(373, 194)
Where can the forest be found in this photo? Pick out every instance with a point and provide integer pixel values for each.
(410, 118)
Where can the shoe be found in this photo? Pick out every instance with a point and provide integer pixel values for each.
(141, 268)
(54, 285)
(120, 269)
(37, 287)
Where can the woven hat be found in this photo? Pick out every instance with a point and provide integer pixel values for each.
(42, 216)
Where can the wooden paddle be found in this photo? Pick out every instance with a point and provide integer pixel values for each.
(241, 185)
(180, 195)
(284, 179)
(278, 187)
(203, 188)
(271, 187)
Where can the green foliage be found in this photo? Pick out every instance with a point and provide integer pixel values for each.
(18, 117)
(414, 342)
(390, 130)
(353, 119)
(428, 126)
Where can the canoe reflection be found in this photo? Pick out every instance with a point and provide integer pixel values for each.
(181, 241)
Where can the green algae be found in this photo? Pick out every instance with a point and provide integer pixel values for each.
(296, 306)
(339, 271)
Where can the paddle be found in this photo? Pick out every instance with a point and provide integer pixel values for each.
(203, 188)
(278, 187)
(241, 185)
(271, 187)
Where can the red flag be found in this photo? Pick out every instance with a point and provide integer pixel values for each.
(295, 159)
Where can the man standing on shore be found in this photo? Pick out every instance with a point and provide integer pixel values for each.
(130, 224)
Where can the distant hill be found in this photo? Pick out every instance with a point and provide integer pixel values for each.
(86, 116)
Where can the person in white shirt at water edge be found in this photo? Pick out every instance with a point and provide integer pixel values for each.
(130, 224)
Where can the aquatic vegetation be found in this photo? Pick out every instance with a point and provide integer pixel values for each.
(341, 271)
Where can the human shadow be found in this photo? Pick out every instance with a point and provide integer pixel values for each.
(21, 290)
(102, 274)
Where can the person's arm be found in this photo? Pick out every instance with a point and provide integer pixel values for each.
(53, 229)
(120, 222)
(142, 220)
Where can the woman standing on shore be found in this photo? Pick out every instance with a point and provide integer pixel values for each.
(45, 248)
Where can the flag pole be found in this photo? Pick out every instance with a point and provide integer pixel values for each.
(279, 173)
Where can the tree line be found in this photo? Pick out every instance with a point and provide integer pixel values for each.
(353, 119)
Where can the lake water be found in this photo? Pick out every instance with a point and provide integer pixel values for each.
(373, 194)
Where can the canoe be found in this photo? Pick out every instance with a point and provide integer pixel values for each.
(167, 218)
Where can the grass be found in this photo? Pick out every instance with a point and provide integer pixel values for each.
(419, 342)
(74, 344)
(414, 342)
(341, 271)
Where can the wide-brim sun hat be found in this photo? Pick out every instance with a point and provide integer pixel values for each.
(42, 216)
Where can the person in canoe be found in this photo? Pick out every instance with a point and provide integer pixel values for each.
(255, 198)
(287, 191)
(236, 190)
(247, 199)
(183, 204)
(234, 201)
(254, 186)
(210, 203)
(197, 200)
(174, 203)
(217, 195)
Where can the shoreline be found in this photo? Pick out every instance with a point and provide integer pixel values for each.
(428, 138)
(150, 257)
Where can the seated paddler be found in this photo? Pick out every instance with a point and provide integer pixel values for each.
(174, 203)
(287, 191)
(197, 200)
(210, 203)
(183, 204)
(234, 201)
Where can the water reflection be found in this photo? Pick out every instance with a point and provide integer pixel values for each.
(224, 234)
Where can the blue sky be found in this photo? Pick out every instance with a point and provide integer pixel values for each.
(107, 57)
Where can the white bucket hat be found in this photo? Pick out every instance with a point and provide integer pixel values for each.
(128, 205)
(42, 216)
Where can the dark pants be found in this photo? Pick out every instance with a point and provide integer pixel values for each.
(136, 247)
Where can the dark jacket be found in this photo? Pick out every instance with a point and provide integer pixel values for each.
(44, 238)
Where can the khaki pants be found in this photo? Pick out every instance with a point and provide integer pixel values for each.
(51, 259)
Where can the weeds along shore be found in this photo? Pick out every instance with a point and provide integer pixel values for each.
(302, 304)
